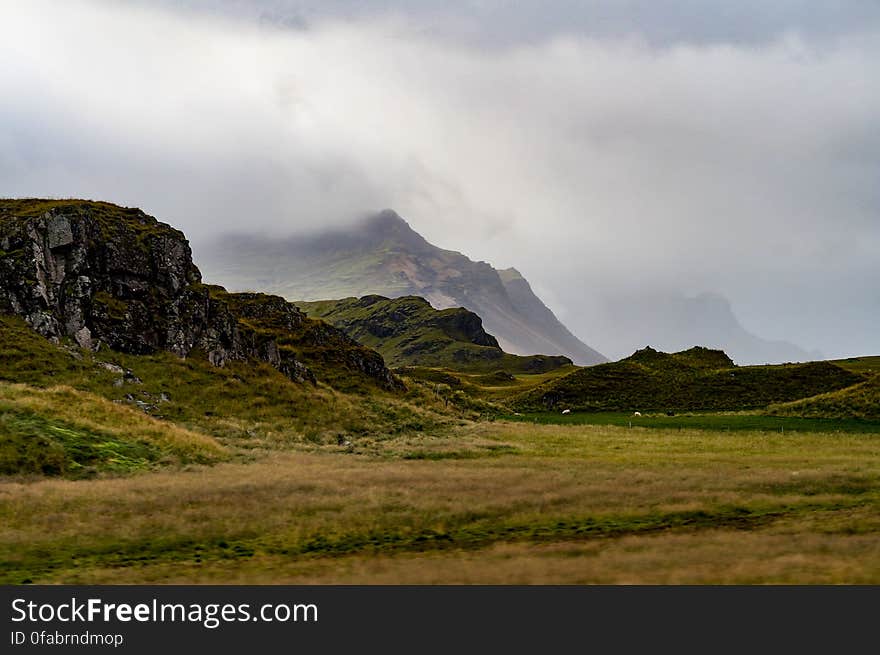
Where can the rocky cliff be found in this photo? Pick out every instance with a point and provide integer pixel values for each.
(109, 276)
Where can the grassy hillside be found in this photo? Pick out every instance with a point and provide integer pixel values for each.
(108, 275)
(696, 379)
(866, 366)
(62, 431)
(861, 400)
(246, 406)
(408, 331)
(497, 387)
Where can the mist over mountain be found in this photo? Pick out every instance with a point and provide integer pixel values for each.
(383, 255)
(672, 322)
(695, 146)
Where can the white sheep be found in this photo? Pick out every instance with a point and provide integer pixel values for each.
(637, 413)
(566, 411)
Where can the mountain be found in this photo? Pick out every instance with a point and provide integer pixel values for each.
(383, 255)
(672, 322)
(694, 379)
(114, 277)
(408, 331)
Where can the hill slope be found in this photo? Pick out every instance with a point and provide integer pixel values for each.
(383, 255)
(407, 331)
(861, 400)
(695, 379)
(62, 431)
(245, 405)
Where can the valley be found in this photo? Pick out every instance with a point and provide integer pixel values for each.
(155, 428)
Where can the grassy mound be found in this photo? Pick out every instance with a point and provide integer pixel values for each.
(697, 357)
(695, 379)
(62, 431)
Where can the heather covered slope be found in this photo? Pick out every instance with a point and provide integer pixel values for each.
(384, 256)
(407, 331)
(695, 379)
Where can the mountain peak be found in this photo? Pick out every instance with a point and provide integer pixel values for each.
(383, 255)
(387, 221)
(510, 274)
(388, 225)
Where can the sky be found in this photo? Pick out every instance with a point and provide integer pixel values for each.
(611, 151)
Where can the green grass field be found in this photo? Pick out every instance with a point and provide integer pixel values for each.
(703, 421)
(510, 503)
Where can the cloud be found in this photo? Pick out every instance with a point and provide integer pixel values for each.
(595, 164)
(500, 23)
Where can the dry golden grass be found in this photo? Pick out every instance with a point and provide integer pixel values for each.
(93, 412)
(709, 557)
(560, 504)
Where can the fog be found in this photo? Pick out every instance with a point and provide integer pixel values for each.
(609, 153)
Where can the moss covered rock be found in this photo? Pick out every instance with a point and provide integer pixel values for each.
(111, 276)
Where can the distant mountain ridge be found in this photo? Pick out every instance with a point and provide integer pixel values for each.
(674, 322)
(383, 255)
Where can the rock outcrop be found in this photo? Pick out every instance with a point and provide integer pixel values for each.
(109, 276)
(272, 325)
